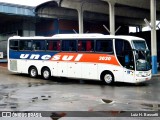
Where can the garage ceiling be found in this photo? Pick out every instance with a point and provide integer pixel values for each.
(128, 12)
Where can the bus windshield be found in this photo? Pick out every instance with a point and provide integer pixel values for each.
(142, 56)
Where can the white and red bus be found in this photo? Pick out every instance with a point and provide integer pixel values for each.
(82, 56)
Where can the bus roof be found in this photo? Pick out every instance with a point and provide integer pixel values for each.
(80, 36)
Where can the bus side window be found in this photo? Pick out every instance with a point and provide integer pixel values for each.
(90, 45)
(104, 46)
(38, 45)
(58, 45)
(86, 45)
(50, 45)
(53, 45)
(13, 45)
(25, 45)
(79, 45)
(68, 45)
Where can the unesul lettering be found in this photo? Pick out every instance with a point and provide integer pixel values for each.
(54, 58)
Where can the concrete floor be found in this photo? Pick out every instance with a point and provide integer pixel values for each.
(21, 93)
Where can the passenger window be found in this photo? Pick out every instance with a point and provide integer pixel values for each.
(25, 45)
(69, 45)
(38, 45)
(104, 46)
(13, 44)
(86, 45)
(53, 45)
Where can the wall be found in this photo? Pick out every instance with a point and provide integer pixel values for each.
(28, 29)
(46, 27)
(3, 48)
(49, 27)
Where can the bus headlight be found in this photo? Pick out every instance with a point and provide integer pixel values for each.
(138, 75)
(143, 74)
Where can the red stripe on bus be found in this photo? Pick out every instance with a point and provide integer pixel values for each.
(86, 57)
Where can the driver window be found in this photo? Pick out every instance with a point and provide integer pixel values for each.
(124, 53)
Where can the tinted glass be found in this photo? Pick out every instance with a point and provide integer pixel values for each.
(86, 45)
(53, 45)
(25, 45)
(104, 46)
(139, 45)
(38, 45)
(69, 45)
(124, 53)
(13, 44)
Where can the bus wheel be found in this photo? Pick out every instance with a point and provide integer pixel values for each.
(33, 72)
(107, 78)
(46, 73)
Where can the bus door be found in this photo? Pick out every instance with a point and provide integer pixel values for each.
(125, 57)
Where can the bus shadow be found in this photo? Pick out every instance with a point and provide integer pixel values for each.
(122, 84)
(94, 82)
(64, 80)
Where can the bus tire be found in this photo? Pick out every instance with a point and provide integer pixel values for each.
(107, 77)
(46, 73)
(33, 72)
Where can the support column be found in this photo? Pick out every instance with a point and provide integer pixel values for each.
(112, 18)
(80, 20)
(56, 26)
(140, 28)
(137, 29)
(153, 36)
